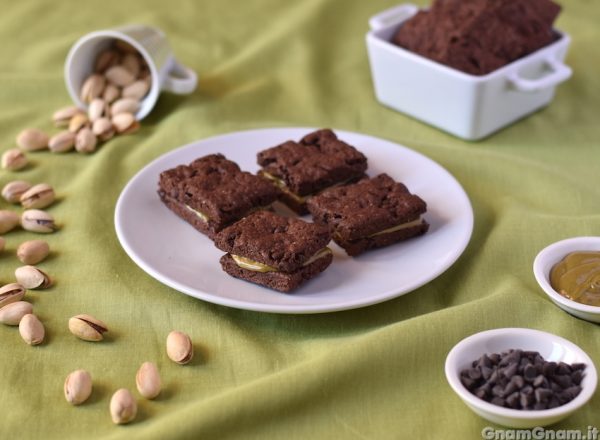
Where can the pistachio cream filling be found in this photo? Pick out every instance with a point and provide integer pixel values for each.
(206, 218)
(300, 199)
(399, 227)
(202, 216)
(283, 187)
(247, 263)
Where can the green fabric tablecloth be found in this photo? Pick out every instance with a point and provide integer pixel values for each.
(370, 373)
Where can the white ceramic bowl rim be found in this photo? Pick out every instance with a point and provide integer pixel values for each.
(542, 276)
(452, 369)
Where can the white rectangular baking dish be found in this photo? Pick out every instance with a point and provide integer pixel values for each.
(468, 106)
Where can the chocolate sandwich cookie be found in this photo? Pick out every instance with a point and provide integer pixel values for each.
(302, 169)
(212, 192)
(369, 214)
(274, 251)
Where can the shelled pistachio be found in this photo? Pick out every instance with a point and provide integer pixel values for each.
(87, 327)
(12, 313)
(32, 277)
(32, 139)
(35, 220)
(33, 251)
(78, 387)
(8, 221)
(62, 142)
(14, 160)
(179, 347)
(38, 196)
(79, 121)
(92, 87)
(125, 123)
(147, 380)
(31, 329)
(103, 128)
(85, 141)
(11, 293)
(12, 191)
(63, 116)
(123, 407)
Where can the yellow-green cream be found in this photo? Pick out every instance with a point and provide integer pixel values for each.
(577, 277)
(202, 216)
(247, 263)
(416, 222)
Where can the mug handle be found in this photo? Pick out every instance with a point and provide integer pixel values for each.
(560, 72)
(180, 79)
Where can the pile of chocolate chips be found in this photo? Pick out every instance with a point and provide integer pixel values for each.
(522, 380)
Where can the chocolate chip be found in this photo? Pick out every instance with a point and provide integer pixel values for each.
(529, 373)
(484, 361)
(526, 399)
(563, 381)
(522, 380)
(475, 373)
(486, 372)
(510, 370)
(510, 388)
(467, 382)
(542, 394)
(573, 391)
(481, 393)
(554, 402)
(494, 377)
(513, 400)
(563, 368)
(484, 391)
(497, 401)
(498, 391)
(518, 381)
(549, 368)
(540, 381)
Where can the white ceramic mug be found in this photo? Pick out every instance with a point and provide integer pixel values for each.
(167, 73)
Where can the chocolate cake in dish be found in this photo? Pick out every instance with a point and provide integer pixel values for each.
(274, 251)
(318, 161)
(369, 214)
(212, 192)
(479, 36)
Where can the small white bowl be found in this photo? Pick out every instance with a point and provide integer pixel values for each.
(548, 257)
(468, 106)
(550, 347)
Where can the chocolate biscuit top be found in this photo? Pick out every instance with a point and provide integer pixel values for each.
(479, 36)
(281, 242)
(367, 207)
(217, 187)
(318, 161)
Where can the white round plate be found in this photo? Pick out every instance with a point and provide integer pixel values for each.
(174, 253)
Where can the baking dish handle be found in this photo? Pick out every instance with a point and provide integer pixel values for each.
(392, 16)
(559, 72)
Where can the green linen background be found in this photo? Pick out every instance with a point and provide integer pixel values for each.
(371, 373)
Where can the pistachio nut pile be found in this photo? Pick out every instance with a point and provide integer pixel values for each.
(123, 404)
(13, 309)
(113, 94)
